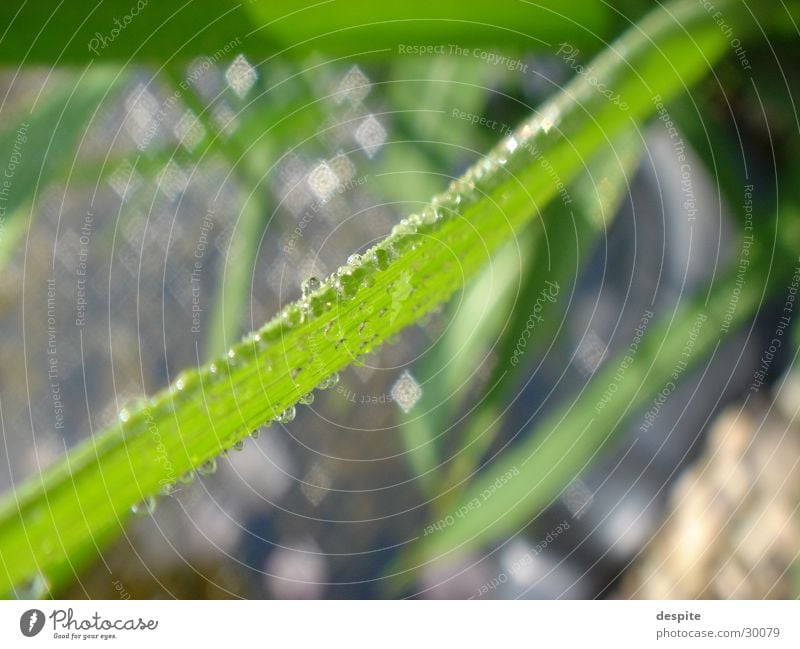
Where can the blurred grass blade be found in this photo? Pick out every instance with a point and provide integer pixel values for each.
(570, 228)
(451, 364)
(76, 33)
(531, 474)
(425, 259)
(44, 141)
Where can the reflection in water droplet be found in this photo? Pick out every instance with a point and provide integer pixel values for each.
(209, 467)
(381, 258)
(345, 285)
(310, 285)
(405, 227)
(292, 316)
(307, 399)
(430, 215)
(146, 507)
(329, 381)
(286, 416)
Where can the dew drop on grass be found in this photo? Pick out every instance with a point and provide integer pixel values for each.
(354, 260)
(309, 286)
(209, 467)
(296, 372)
(292, 316)
(430, 215)
(345, 286)
(166, 489)
(124, 415)
(256, 433)
(405, 227)
(328, 381)
(307, 399)
(146, 507)
(381, 258)
(287, 415)
(238, 446)
(187, 478)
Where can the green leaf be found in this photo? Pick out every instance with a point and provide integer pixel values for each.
(427, 257)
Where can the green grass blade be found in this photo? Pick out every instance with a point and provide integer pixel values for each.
(426, 258)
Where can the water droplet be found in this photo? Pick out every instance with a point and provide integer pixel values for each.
(124, 415)
(310, 285)
(166, 489)
(209, 467)
(256, 433)
(405, 227)
(430, 215)
(188, 477)
(292, 316)
(286, 416)
(328, 328)
(346, 285)
(295, 372)
(232, 355)
(361, 327)
(307, 399)
(238, 446)
(146, 507)
(354, 260)
(328, 382)
(381, 258)
(382, 312)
